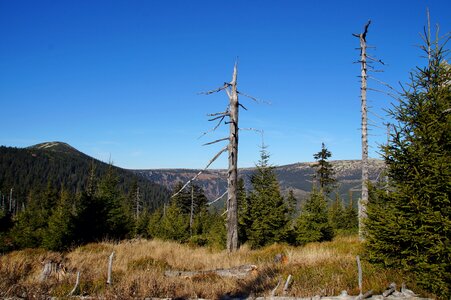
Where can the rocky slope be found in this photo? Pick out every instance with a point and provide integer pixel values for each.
(296, 177)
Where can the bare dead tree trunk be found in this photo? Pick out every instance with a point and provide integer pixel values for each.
(192, 210)
(364, 199)
(232, 179)
(232, 176)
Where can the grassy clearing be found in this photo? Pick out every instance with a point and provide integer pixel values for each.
(138, 271)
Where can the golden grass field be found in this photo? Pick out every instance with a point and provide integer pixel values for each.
(138, 271)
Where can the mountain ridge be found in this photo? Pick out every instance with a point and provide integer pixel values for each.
(296, 176)
(60, 165)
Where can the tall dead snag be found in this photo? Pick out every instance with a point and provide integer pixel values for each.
(364, 199)
(232, 176)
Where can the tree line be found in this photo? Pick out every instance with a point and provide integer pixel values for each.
(265, 216)
(58, 219)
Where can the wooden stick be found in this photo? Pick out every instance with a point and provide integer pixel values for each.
(77, 282)
(110, 268)
(359, 267)
(273, 292)
(287, 284)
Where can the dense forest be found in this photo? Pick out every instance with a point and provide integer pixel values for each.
(61, 166)
(60, 198)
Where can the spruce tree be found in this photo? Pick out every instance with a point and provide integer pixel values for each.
(313, 223)
(174, 224)
(244, 212)
(183, 199)
(351, 218)
(118, 211)
(337, 214)
(292, 203)
(409, 224)
(268, 210)
(60, 234)
(324, 170)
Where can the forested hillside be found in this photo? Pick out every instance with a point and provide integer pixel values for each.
(59, 165)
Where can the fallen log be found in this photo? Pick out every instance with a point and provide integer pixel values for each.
(238, 272)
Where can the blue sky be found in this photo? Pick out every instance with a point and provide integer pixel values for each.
(120, 79)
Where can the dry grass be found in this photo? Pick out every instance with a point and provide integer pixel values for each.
(139, 265)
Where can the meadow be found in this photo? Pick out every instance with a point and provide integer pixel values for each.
(139, 265)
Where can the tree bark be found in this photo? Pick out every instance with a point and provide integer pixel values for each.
(232, 179)
(364, 199)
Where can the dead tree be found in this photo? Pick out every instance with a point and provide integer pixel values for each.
(363, 60)
(232, 112)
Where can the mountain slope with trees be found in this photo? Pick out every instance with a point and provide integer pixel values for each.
(61, 166)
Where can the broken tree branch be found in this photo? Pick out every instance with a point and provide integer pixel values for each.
(273, 292)
(217, 141)
(225, 86)
(77, 282)
(201, 171)
(217, 199)
(253, 98)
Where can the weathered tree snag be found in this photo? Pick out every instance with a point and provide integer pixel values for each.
(364, 199)
(232, 178)
(110, 268)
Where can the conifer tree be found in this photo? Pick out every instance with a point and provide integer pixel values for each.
(337, 214)
(324, 170)
(409, 225)
(60, 233)
(30, 224)
(313, 223)
(174, 225)
(268, 210)
(118, 212)
(154, 224)
(351, 218)
(244, 212)
(291, 204)
(183, 198)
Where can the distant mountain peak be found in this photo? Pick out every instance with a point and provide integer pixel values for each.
(55, 147)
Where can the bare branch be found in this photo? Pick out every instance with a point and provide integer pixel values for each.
(224, 113)
(242, 106)
(218, 117)
(383, 83)
(384, 92)
(217, 199)
(226, 85)
(252, 129)
(365, 31)
(214, 128)
(201, 171)
(253, 98)
(375, 59)
(217, 141)
(376, 115)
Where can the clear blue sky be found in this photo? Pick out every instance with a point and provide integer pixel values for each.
(120, 79)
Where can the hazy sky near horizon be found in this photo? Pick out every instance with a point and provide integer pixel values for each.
(120, 80)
